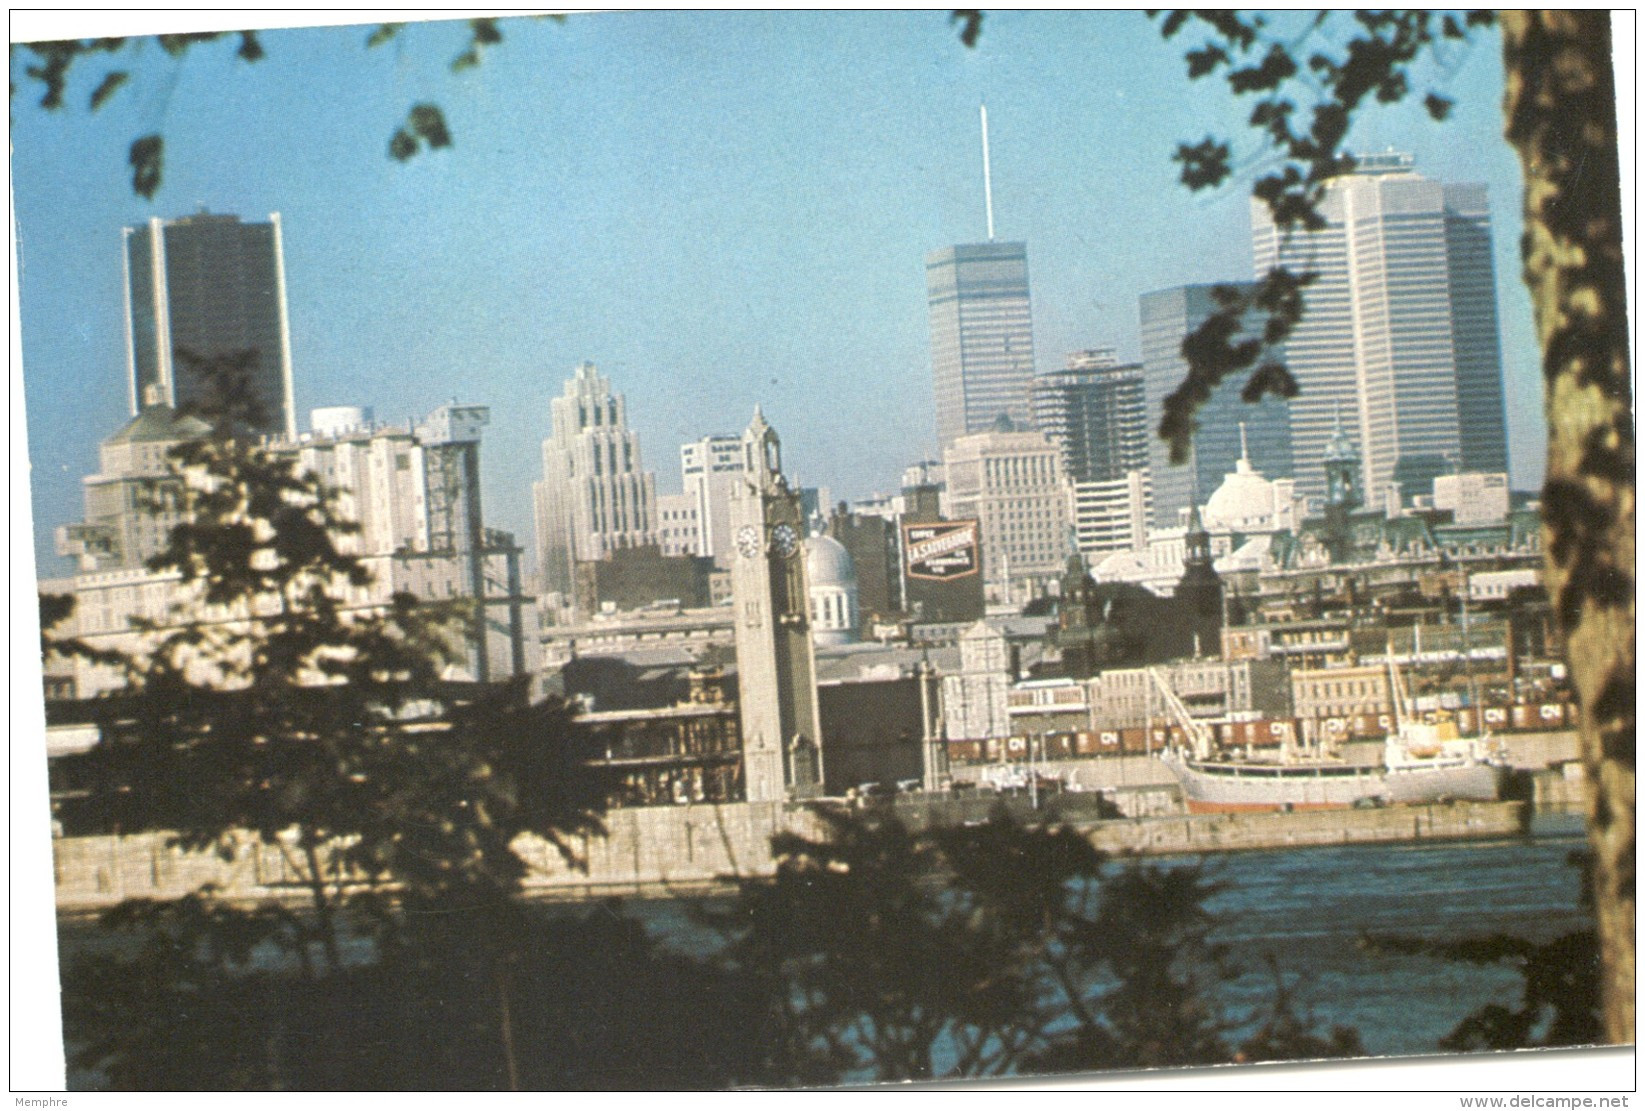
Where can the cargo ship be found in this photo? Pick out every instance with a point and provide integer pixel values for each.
(1422, 762)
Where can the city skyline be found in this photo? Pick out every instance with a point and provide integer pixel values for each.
(1402, 337)
(854, 203)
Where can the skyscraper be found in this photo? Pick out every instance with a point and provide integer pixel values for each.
(594, 496)
(1096, 412)
(982, 336)
(1400, 329)
(1167, 316)
(205, 288)
(1012, 483)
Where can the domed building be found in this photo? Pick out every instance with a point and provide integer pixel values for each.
(833, 586)
(1246, 502)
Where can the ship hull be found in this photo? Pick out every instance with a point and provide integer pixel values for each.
(1225, 788)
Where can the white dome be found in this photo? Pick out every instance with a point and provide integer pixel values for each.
(827, 563)
(1243, 503)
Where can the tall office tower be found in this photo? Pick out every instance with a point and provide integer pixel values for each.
(711, 469)
(982, 336)
(1167, 317)
(203, 289)
(1400, 328)
(1096, 413)
(594, 497)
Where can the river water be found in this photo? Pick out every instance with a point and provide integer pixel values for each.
(1309, 907)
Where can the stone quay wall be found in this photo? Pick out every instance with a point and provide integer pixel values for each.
(663, 850)
(1216, 833)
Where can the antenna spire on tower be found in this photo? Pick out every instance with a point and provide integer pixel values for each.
(987, 176)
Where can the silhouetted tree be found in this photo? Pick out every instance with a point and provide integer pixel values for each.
(1560, 110)
(281, 701)
(978, 951)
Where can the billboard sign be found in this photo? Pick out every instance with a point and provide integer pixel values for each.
(940, 549)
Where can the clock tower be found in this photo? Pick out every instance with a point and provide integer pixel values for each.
(776, 673)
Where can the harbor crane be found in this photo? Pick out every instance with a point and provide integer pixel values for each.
(1198, 733)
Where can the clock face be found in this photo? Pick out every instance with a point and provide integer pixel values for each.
(785, 540)
(748, 541)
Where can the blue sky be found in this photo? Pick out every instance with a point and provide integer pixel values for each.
(718, 209)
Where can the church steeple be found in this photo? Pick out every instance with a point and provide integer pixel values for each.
(1199, 592)
(1342, 486)
(1196, 542)
(1342, 492)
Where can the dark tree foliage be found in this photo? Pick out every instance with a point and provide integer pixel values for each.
(49, 67)
(1560, 1004)
(1560, 116)
(594, 1005)
(888, 955)
(281, 702)
(278, 703)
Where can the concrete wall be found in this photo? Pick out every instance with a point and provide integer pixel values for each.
(661, 849)
(1209, 833)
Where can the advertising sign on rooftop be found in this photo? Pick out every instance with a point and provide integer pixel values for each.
(940, 549)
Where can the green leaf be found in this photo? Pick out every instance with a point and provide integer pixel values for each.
(383, 33)
(971, 20)
(1205, 60)
(1439, 107)
(146, 157)
(430, 123)
(1204, 164)
(106, 88)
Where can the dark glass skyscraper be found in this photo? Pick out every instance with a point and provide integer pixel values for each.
(982, 336)
(203, 288)
(1168, 315)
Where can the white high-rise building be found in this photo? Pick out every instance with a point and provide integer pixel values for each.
(594, 497)
(1400, 331)
(711, 468)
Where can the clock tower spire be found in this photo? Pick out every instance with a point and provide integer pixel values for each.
(776, 672)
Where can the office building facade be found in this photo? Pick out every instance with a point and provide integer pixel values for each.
(1095, 410)
(203, 292)
(982, 337)
(710, 469)
(1012, 484)
(1167, 317)
(1400, 331)
(594, 497)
